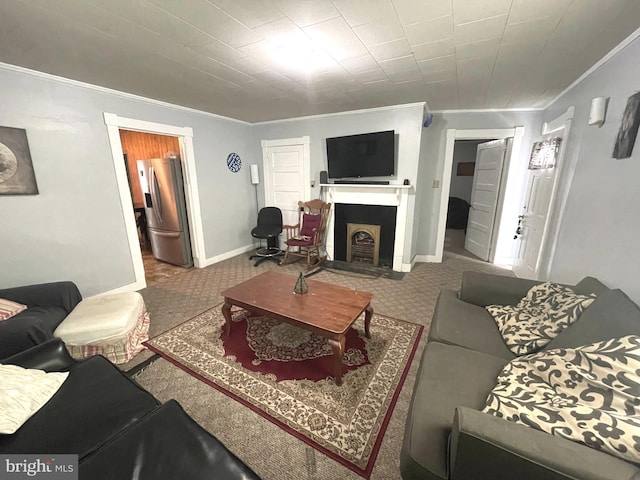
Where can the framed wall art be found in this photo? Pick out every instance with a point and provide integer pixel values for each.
(17, 176)
(628, 128)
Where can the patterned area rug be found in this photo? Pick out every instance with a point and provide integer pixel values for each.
(285, 374)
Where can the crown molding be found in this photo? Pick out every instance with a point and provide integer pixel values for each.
(118, 93)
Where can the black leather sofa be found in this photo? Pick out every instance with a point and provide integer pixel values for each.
(48, 304)
(118, 429)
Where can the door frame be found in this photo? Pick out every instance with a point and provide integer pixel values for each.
(185, 138)
(453, 134)
(306, 162)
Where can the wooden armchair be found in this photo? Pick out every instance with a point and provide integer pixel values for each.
(306, 238)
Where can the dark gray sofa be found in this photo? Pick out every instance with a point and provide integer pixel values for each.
(47, 305)
(448, 437)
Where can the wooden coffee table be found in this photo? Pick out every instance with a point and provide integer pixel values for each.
(327, 310)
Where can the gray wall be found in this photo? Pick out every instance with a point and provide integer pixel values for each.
(599, 230)
(405, 120)
(74, 228)
(432, 162)
(464, 151)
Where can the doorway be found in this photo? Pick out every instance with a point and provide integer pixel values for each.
(286, 166)
(185, 138)
(463, 170)
(501, 249)
(143, 146)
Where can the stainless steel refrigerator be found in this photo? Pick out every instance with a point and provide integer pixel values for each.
(165, 209)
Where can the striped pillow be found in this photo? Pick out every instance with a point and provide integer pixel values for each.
(8, 308)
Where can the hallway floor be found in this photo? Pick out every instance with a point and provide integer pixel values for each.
(454, 244)
(156, 271)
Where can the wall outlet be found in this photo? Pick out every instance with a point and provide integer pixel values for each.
(436, 184)
(313, 184)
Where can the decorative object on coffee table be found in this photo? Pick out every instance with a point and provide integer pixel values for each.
(301, 285)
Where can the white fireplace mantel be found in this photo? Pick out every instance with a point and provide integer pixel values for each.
(365, 194)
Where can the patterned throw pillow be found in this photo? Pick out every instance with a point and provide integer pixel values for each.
(587, 394)
(539, 317)
(8, 308)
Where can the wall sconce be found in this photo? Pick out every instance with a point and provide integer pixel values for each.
(598, 111)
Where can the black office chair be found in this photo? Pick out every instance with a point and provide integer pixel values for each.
(269, 227)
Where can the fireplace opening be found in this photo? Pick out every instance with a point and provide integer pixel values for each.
(363, 243)
(382, 217)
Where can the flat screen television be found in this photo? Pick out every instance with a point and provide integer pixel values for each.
(365, 155)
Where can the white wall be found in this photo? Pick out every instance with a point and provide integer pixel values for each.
(74, 229)
(599, 230)
(406, 120)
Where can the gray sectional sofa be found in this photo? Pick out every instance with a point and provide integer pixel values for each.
(448, 437)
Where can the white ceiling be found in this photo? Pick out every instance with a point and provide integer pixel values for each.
(269, 59)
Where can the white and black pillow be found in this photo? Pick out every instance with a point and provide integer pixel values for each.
(539, 317)
(589, 394)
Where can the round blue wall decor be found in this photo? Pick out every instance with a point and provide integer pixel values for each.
(234, 163)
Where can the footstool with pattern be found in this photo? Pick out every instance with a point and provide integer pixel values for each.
(110, 325)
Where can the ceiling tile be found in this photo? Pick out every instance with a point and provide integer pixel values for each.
(248, 65)
(430, 31)
(218, 50)
(401, 64)
(526, 10)
(465, 11)
(251, 13)
(235, 34)
(480, 30)
(532, 31)
(405, 76)
(380, 31)
(359, 12)
(371, 76)
(336, 38)
(446, 63)
(411, 11)
(430, 76)
(307, 12)
(439, 48)
(389, 50)
(199, 13)
(484, 49)
(360, 64)
(280, 31)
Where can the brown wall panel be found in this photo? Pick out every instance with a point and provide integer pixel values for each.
(142, 146)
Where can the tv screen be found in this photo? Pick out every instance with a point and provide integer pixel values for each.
(365, 155)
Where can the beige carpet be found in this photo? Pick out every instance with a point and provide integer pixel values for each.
(268, 450)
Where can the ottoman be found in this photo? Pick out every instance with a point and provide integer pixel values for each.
(110, 325)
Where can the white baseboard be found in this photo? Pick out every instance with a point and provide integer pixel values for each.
(223, 256)
(426, 259)
(134, 287)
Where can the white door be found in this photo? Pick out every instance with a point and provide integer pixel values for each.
(484, 197)
(287, 177)
(533, 220)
